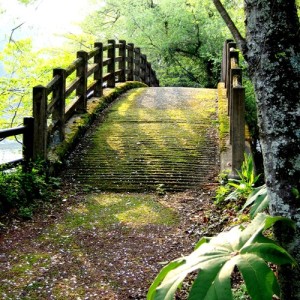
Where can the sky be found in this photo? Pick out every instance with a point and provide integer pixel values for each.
(44, 20)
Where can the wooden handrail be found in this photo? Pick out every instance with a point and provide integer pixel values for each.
(105, 65)
(27, 130)
(231, 75)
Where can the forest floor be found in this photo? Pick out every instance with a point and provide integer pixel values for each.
(88, 244)
(84, 245)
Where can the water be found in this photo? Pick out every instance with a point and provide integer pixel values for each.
(10, 150)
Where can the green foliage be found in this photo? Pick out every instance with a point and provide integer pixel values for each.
(236, 189)
(184, 43)
(240, 293)
(258, 200)
(25, 68)
(20, 189)
(215, 258)
(251, 109)
(221, 193)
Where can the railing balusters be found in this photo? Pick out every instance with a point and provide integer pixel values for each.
(40, 122)
(130, 61)
(28, 140)
(131, 65)
(98, 76)
(59, 108)
(81, 72)
(232, 76)
(122, 63)
(111, 67)
(137, 61)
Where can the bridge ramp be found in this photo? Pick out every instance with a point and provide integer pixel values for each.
(151, 139)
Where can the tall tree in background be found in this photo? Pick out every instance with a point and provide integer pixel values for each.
(272, 51)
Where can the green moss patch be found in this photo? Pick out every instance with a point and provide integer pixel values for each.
(151, 137)
(106, 209)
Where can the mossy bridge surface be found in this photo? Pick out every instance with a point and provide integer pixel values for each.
(150, 139)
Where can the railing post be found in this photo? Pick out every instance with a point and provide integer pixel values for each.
(111, 67)
(98, 75)
(228, 64)
(224, 61)
(130, 61)
(59, 109)
(40, 122)
(137, 62)
(148, 70)
(81, 72)
(143, 68)
(122, 63)
(235, 80)
(238, 128)
(28, 140)
(232, 55)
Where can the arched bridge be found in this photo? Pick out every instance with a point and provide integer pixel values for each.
(150, 138)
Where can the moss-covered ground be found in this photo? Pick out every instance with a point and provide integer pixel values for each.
(93, 243)
(152, 138)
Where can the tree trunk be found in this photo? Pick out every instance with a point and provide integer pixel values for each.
(273, 56)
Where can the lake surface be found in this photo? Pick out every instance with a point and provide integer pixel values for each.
(10, 150)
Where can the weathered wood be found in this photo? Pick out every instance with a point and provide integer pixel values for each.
(40, 122)
(28, 140)
(228, 66)
(122, 63)
(11, 132)
(130, 61)
(238, 127)
(143, 68)
(232, 63)
(137, 69)
(111, 67)
(234, 80)
(59, 108)
(81, 72)
(137, 60)
(224, 61)
(98, 59)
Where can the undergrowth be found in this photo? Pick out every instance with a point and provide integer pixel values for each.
(20, 191)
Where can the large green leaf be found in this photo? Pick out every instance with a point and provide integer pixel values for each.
(247, 248)
(260, 280)
(258, 200)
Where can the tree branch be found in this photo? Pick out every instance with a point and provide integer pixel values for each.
(241, 43)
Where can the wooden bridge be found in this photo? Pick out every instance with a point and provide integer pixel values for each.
(152, 138)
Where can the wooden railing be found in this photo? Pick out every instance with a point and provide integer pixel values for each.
(27, 130)
(87, 76)
(231, 75)
(68, 91)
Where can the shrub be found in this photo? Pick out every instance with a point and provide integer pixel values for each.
(18, 189)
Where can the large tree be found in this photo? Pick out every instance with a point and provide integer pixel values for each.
(271, 48)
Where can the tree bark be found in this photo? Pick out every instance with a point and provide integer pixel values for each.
(272, 51)
(273, 56)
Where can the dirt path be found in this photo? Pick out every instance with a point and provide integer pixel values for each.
(93, 244)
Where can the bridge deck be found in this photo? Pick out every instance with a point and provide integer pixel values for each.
(151, 139)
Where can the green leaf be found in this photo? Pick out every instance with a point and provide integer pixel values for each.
(163, 273)
(270, 221)
(270, 252)
(260, 280)
(213, 281)
(215, 259)
(202, 241)
(258, 199)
